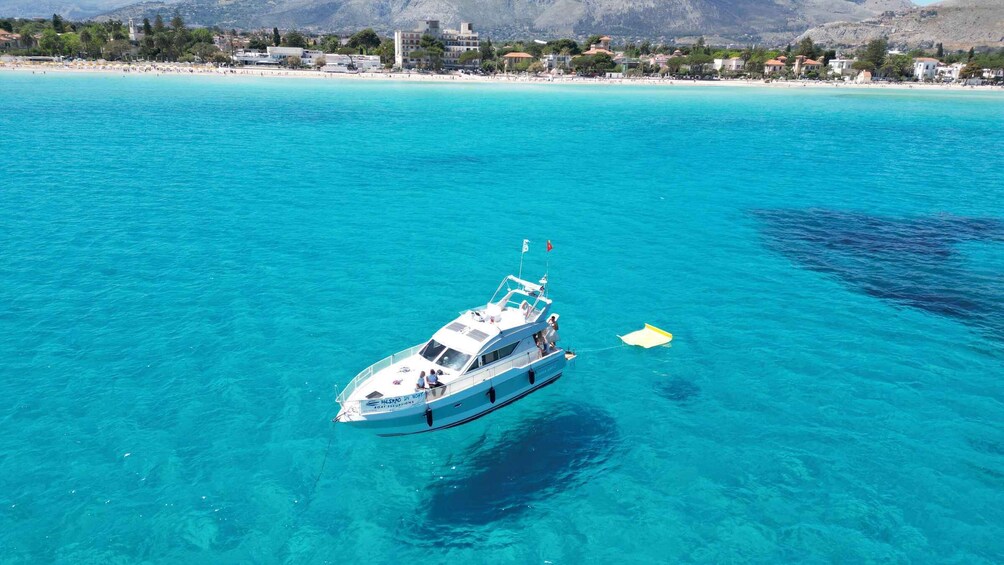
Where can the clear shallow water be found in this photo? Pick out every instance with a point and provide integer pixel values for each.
(189, 267)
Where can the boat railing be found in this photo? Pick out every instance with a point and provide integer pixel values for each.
(490, 372)
(375, 368)
(412, 399)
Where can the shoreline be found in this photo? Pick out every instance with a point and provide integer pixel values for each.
(181, 69)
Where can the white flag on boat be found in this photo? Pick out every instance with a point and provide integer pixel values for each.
(526, 245)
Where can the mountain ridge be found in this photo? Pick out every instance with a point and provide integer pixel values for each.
(738, 20)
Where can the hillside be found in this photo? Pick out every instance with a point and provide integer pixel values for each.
(958, 24)
(740, 20)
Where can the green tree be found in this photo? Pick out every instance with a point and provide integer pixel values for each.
(972, 52)
(940, 53)
(201, 35)
(294, 62)
(469, 57)
(434, 50)
(873, 54)
(330, 43)
(57, 23)
(158, 24)
(71, 44)
(592, 40)
(897, 66)
(49, 43)
(366, 40)
(699, 63)
(320, 62)
(258, 43)
(7, 25)
(593, 64)
(147, 28)
(276, 39)
(203, 51)
(487, 50)
(294, 39)
(386, 52)
(563, 45)
(116, 49)
(807, 48)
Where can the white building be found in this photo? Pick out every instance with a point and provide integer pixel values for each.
(335, 63)
(457, 42)
(734, 65)
(925, 68)
(553, 61)
(841, 67)
(950, 73)
(135, 35)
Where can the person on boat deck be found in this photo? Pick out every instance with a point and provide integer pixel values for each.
(433, 379)
(421, 382)
(538, 339)
(552, 334)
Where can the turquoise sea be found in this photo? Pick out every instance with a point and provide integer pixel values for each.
(190, 266)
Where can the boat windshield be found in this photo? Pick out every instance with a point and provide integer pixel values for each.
(432, 350)
(454, 360)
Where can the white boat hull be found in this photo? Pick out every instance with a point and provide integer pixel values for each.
(461, 407)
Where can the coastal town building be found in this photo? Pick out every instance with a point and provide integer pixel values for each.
(135, 34)
(804, 65)
(552, 61)
(335, 63)
(732, 64)
(925, 68)
(949, 73)
(515, 58)
(276, 56)
(10, 40)
(456, 42)
(773, 66)
(603, 46)
(841, 67)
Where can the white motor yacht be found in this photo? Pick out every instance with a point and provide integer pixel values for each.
(490, 357)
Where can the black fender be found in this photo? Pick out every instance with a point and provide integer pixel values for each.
(428, 416)
(532, 376)
(491, 394)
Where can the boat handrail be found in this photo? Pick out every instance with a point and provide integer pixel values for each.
(394, 403)
(491, 371)
(375, 367)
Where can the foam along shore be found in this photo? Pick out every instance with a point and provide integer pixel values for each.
(192, 69)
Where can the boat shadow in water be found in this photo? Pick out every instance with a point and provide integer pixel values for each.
(913, 262)
(497, 480)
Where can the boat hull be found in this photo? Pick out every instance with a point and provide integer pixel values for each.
(464, 406)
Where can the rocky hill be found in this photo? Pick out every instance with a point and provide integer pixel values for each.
(739, 20)
(958, 24)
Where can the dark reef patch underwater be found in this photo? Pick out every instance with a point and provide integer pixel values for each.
(501, 478)
(914, 262)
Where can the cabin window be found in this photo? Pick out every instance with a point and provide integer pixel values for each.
(475, 364)
(500, 353)
(432, 350)
(454, 360)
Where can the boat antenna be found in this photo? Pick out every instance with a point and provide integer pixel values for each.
(526, 247)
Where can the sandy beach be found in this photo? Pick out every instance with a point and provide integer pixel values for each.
(134, 69)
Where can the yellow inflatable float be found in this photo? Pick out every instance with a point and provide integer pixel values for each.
(649, 336)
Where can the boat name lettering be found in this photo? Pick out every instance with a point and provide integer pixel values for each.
(393, 403)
